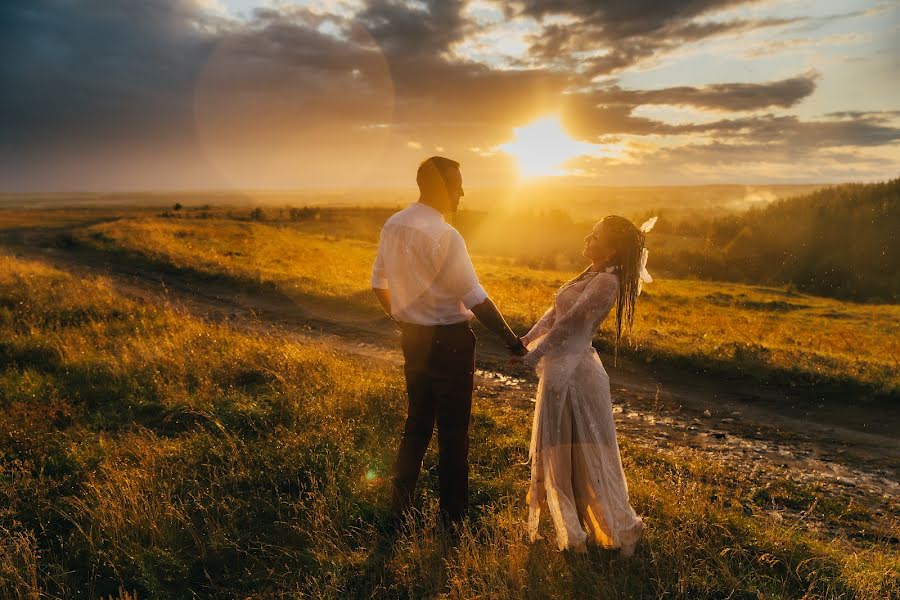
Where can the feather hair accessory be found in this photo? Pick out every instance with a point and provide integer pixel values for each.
(644, 275)
(648, 224)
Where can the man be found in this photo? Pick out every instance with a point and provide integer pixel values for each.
(424, 279)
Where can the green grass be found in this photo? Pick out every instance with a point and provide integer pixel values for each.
(147, 451)
(817, 345)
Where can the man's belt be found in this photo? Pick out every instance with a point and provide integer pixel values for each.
(448, 327)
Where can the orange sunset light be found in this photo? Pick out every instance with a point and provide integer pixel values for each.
(542, 148)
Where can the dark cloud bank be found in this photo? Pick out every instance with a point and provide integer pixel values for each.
(102, 93)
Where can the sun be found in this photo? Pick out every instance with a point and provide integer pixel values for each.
(542, 148)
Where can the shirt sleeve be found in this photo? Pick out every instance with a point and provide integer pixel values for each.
(457, 271)
(379, 275)
(597, 299)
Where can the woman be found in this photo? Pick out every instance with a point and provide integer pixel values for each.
(576, 471)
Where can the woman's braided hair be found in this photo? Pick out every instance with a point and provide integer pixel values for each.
(628, 242)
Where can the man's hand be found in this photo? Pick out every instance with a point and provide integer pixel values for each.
(518, 349)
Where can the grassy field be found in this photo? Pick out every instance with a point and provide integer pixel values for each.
(144, 450)
(821, 347)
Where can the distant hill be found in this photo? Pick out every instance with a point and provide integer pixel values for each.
(839, 241)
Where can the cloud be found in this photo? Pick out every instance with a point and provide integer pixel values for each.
(739, 163)
(237, 103)
(861, 130)
(778, 47)
(803, 160)
(771, 147)
(839, 129)
(92, 68)
(621, 19)
(94, 82)
(723, 96)
(99, 93)
(402, 29)
(631, 32)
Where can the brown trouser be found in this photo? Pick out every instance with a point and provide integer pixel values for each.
(439, 369)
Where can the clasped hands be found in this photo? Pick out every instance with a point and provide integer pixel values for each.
(517, 350)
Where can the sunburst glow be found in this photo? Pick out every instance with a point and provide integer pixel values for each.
(543, 147)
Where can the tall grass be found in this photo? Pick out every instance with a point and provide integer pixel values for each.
(146, 452)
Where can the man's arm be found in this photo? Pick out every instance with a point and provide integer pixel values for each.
(379, 278)
(491, 318)
(384, 299)
(460, 276)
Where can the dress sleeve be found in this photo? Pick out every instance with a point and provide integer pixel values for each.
(542, 326)
(379, 274)
(595, 301)
(457, 271)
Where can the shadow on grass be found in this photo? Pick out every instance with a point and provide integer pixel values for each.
(109, 400)
(358, 308)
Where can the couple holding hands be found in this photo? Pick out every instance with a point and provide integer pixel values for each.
(424, 279)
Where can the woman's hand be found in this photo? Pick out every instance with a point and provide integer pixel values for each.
(514, 362)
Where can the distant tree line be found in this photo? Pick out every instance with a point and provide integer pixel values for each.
(839, 241)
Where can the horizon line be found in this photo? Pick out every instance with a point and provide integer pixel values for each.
(395, 188)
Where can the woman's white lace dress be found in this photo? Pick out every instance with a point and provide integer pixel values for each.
(576, 471)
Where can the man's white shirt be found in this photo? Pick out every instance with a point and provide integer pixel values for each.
(424, 263)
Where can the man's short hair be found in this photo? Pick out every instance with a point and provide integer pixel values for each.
(435, 165)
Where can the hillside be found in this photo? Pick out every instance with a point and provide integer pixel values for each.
(838, 242)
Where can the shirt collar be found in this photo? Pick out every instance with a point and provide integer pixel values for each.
(429, 210)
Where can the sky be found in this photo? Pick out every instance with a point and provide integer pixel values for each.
(106, 95)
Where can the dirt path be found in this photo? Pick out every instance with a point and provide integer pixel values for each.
(749, 432)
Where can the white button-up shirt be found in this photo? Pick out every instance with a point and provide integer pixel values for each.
(423, 261)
